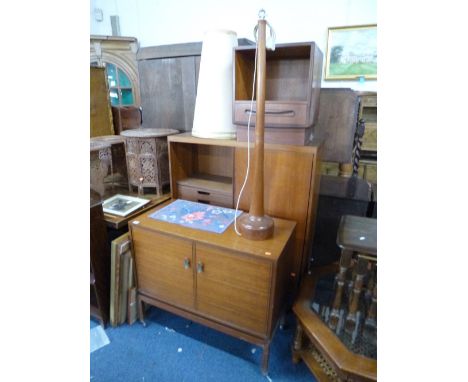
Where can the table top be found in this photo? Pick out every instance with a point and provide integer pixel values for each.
(270, 248)
(144, 132)
(108, 139)
(358, 234)
(117, 222)
(98, 145)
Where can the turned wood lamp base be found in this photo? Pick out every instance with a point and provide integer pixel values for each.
(256, 227)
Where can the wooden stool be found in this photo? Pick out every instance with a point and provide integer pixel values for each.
(336, 326)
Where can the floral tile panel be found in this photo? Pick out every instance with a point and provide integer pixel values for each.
(200, 216)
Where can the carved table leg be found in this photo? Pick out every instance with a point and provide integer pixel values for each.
(297, 344)
(265, 358)
(345, 262)
(361, 270)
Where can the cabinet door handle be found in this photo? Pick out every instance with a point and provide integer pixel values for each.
(186, 263)
(199, 267)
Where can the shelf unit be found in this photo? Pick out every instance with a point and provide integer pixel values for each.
(291, 182)
(202, 170)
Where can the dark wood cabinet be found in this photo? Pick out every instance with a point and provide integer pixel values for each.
(100, 265)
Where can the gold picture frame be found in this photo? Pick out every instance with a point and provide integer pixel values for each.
(351, 53)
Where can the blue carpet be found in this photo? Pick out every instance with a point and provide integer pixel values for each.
(172, 348)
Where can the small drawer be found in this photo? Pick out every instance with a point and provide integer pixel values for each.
(204, 196)
(277, 114)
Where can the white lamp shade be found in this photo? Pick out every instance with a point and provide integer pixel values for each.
(213, 105)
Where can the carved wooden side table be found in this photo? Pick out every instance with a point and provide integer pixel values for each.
(118, 158)
(147, 157)
(100, 163)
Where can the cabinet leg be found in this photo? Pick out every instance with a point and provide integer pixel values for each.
(282, 322)
(141, 311)
(297, 344)
(265, 358)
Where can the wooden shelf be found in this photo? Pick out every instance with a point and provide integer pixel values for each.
(189, 138)
(220, 184)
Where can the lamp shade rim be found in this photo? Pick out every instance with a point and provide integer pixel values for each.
(220, 30)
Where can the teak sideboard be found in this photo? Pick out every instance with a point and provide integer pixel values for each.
(212, 171)
(223, 281)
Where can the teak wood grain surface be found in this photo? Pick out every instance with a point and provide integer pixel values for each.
(224, 281)
(291, 180)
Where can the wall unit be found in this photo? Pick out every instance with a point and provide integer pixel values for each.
(293, 75)
(223, 281)
(291, 182)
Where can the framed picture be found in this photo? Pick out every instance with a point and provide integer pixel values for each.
(352, 53)
(122, 205)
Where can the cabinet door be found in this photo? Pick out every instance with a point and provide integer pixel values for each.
(233, 289)
(164, 267)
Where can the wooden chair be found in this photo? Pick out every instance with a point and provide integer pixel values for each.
(336, 310)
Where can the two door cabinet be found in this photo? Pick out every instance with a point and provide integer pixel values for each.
(223, 281)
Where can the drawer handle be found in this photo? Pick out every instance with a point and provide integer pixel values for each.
(203, 201)
(203, 193)
(282, 112)
(186, 263)
(200, 267)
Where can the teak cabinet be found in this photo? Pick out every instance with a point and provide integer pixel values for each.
(223, 281)
(293, 77)
(291, 182)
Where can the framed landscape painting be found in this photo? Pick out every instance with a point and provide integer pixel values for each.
(352, 53)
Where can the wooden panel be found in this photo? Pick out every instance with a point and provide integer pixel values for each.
(277, 135)
(282, 283)
(168, 91)
(100, 264)
(336, 125)
(215, 160)
(181, 160)
(369, 140)
(233, 288)
(172, 50)
(288, 182)
(100, 110)
(160, 268)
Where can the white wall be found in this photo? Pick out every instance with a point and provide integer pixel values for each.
(160, 22)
